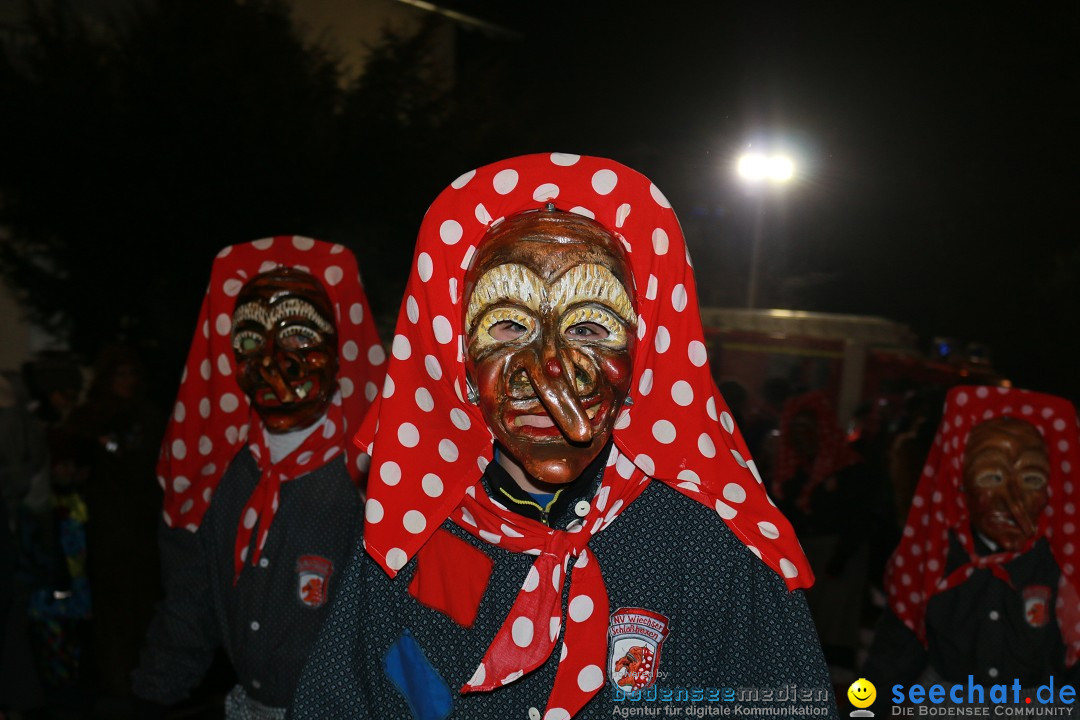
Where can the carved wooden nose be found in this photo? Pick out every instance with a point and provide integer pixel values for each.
(553, 367)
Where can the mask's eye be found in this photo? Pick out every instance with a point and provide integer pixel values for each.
(587, 331)
(298, 337)
(247, 341)
(593, 324)
(989, 479)
(507, 330)
(1033, 481)
(503, 325)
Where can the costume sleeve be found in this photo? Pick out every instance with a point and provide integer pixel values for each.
(896, 657)
(183, 634)
(771, 642)
(332, 683)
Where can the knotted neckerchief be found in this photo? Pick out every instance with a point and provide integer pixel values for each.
(528, 636)
(317, 449)
(916, 570)
(212, 417)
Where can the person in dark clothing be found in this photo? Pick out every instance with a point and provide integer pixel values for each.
(52, 521)
(123, 430)
(261, 506)
(823, 486)
(983, 586)
(537, 544)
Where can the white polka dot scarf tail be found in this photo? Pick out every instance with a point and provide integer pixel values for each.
(429, 445)
(916, 571)
(527, 637)
(212, 417)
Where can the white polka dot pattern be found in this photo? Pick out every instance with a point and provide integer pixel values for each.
(919, 561)
(199, 446)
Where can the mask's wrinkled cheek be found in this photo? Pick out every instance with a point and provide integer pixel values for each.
(1025, 507)
(492, 374)
(321, 362)
(616, 368)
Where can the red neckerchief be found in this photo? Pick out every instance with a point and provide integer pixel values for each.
(527, 637)
(916, 570)
(317, 449)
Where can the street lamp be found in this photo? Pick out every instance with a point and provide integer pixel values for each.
(757, 169)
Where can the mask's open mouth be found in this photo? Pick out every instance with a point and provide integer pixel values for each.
(1001, 519)
(534, 421)
(265, 396)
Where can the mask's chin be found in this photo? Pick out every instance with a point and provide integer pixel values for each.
(548, 458)
(1007, 535)
(279, 423)
(288, 418)
(550, 466)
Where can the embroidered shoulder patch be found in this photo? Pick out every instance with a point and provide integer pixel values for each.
(635, 638)
(313, 579)
(1036, 605)
(451, 577)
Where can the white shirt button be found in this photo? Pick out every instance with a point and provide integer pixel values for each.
(582, 508)
(263, 562)
(534, 714)
(994, 614)
(254, 624)
(992, 672)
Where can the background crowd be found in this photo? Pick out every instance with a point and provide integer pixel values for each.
(82, 505)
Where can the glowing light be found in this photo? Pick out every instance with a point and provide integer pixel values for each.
(781, 168)
(761, 168)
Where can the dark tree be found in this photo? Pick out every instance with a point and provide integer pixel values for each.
(131, 150)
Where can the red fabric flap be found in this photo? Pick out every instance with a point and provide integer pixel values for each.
(451, 577)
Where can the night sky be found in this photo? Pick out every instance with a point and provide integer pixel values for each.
(939, 142)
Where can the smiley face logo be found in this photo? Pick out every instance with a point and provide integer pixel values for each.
(862, 693)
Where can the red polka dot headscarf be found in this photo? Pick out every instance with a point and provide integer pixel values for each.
(916, 571)
(213, 418)
(833, 451)
(430, 445)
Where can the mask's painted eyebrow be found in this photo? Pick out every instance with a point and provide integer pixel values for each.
(504, 282)
(988, 455)
(258, 311)
(1033, 456)
(254, 311)
(592, 283)
(299, 306)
